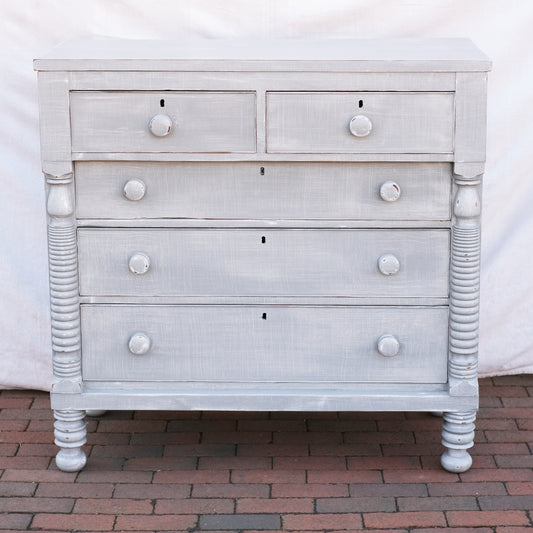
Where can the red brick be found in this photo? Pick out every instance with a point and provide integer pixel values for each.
(78, 522)
(13, 488)
(26, 414)
(9, 449)
(499, 474)
(16, 521)
(196, 426)
(514, 461)
(74, 490)
(387, 489)
(14, 425)
(114, 450)
(15, 403)
(160, 463)
(148, 439)
(455, 530)
(38, 437)
(379, 437)
(418, 476)
(313, 522)
(148, 491)
(440, 503)
(339, 476)
(519, 488)
(317, 490)
(518, 402)
(200, 450)
(361, 449)
(24, 463)
(106, 476)
(404, 519)
(192, 476)
(195, 506)
(268, 476)
(35, 476)
(509, 436)
(35, 505)
(513, 529)
(525, 424)
(131, 426)
(109, 439)
(156, 522)
(237, 437)
(356, 505)
(500, 424)
(113, 506)
(269, 450)
(231, 463)
(307, 437)
(466, 489)
(37, 450)
(399, 450)
(274, 505)
(231, 490)
(383, 463)
(310, 463)
(487, 518)
(271, 425)
(506, 412)
(342, 425)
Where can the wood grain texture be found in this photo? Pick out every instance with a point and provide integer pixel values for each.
(280, 344)
(263, 262)
(263, 190)
(319, 122)
(202, 121)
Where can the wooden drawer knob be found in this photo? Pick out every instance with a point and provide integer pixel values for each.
(139, 263)
(139, 344)
(160, 125)
(388, 264)
(390, 191)
(388, 345)
(360, 126)
(134, 190)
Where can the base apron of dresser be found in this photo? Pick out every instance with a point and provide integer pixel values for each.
(264, 397)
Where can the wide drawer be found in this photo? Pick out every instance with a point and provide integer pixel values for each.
(270, 343)
(388, 122)
(243, 262)
(200, 121)
(373, 191)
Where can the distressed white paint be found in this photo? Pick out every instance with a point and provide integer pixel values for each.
(232, 255)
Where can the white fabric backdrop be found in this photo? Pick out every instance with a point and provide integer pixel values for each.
(501, 28)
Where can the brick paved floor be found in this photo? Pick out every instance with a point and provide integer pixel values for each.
(233, 472)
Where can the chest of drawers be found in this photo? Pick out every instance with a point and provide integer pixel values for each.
(264, 226)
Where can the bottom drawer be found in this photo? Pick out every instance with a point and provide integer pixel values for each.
(264, 343)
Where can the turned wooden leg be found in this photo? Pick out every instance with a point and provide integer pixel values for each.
(457, 436)
(70, 435)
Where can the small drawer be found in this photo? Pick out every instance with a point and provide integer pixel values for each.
(242, 262)
(264, 190)
(163, 121)
(342, 122)
(264, 343)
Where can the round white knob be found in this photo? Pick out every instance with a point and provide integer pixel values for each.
(388, 264)
(388, 345)
(134, 190)
(360, 126)
(160, 125)
(139, 344)
(390, 191)
(139, 263)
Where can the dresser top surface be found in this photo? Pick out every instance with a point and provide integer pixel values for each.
(354, 55)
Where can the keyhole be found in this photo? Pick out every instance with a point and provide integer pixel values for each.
(262, 171)
(360, 104)
(264, 317)
(263, 239)
(162, 102)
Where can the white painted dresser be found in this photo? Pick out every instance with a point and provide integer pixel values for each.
(264, 226)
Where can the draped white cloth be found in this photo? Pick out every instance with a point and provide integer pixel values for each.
(502, 29)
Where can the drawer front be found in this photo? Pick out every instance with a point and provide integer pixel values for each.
(241, 262)
(312, 122)
(247, 343)
(200, 121)
(264, 190)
